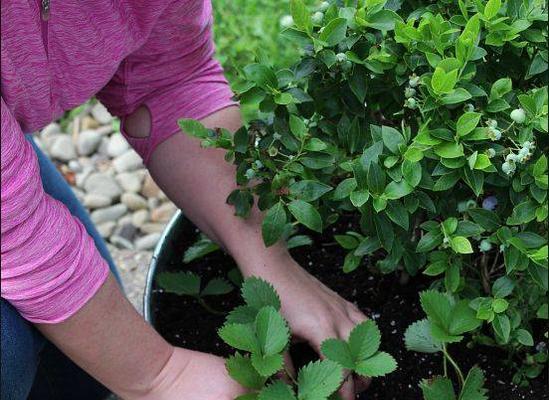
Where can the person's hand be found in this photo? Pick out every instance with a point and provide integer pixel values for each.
(191, 375)
(314, 312)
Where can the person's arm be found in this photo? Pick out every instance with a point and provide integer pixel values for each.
(53, 275)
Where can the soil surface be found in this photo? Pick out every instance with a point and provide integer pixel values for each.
(183, 322)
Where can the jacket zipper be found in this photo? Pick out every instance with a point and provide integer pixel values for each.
(44, 17)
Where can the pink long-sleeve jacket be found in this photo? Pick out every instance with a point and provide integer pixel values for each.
(56, 54)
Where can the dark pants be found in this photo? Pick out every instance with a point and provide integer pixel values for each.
(32, 367)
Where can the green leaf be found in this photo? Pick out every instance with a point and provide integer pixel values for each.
(301, 15)
(277, 391)
(216, 287)
(438, 388)
(306, 214)
(258, 293)
(368, 246)
(457, 96)
(309, 190)
(180, 283)
(524, 337)
(351, 262)
(383, 20)
(442, 82)
(396, 190)
(193, 128)
(199, 249)
(492, 8)
(240, 336)
(298, 127)
(502, 327)
(473, 386)
(338, 351)
(379, 364)
(452, 278)
(242, 201)
(449, 150)
(348, 242)
(262, 76)
(242, 315)
(522, 213)
(463, 319)
(364, 340)
(267, 365)
(272, 331)
(489, 220)
(318, 380)
(241, 370)
(467, 123)
(429, 241)
(418, 338)
(540, 166)
(298, 241)
(436, 268)
(398, 214)
(391, 139)
(344, 189)
(461, 245)
(334, 32)
(437, 307)
(411, 172)
(502, 287)
(499, 305)
(273, 224)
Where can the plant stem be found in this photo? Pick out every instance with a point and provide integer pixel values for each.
(208, 307)
(445, 366)
(454, 364)
(485, 274)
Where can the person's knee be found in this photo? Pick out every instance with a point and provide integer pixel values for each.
(21, 345)
(138, 124)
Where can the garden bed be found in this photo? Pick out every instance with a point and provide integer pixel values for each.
(394, 306)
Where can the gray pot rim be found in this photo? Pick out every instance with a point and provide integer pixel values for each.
(168, 232)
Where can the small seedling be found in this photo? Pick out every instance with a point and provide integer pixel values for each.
(190, 284)
(258, 330)
(447, 321)
(202, 247)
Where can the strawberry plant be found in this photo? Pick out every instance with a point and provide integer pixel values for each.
(260, 335)
(190, 284)
(425, 123)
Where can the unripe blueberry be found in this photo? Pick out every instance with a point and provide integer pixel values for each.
(277, 136)
(324, 6)
(490, 203)
(411, 103)
(523, 155)
(258, 164)
(273, 151)
(529, 145)
(485, 246)
(469, 107)
(494, 133)
(414, 81)
(340, 57)
(317, 17)
(518, 115)
(409, 92)
(250, 173)
(491, 152)
(286, 21)
(508, 168)
(492, 123)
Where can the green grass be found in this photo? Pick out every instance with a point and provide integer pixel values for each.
(242, 28)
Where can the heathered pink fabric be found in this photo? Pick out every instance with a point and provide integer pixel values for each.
(157, 53)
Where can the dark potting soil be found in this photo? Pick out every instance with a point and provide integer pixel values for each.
(183, 322)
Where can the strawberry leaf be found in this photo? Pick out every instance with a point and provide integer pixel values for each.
(217, 286)
(267, 365)
(418, 338)
(364, 340)
(318, 380)
(239, 336)
(338, 350)
(277, 391)
(473, 387)
(271, 330)
(241, 370)
(438, 388)
(379, 364)
(180, 283)
(257, 293)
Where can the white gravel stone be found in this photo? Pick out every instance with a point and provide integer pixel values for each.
(111, 213)
(129, 181)
(94, 200)
(62, 148)
(152, 227)
(133, 201)
(88, 142)
(101, 114)
(150, 188)
(51, 129)
(147, 242)
(117, 145)
(84, 175)
(121, 242)
(75, 166)
(126, 219)
(163, 213)
(103, 147)
(79, 194)
(102, 183)
(105, 229)
(129, 161)
(140, 217)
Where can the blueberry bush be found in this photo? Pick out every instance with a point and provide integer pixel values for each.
(426, 123)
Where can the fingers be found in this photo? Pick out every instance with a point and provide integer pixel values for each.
(347, 391)
(289, 373)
